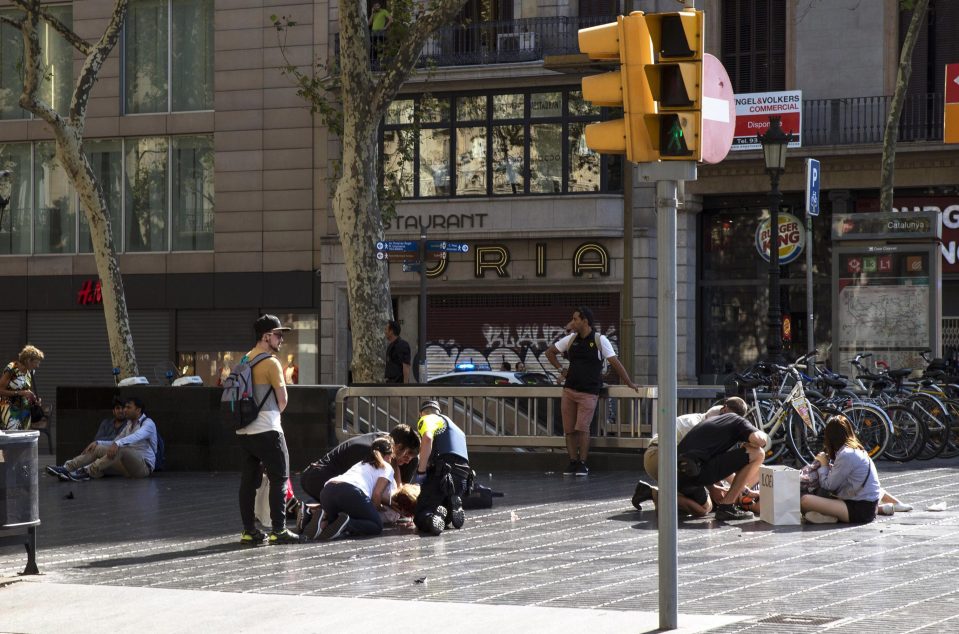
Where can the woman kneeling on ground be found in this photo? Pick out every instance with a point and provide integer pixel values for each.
(847, 472)
(351, 502)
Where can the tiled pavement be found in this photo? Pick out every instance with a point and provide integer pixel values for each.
(551, 542)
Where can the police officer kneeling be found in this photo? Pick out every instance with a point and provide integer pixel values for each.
(444, 472)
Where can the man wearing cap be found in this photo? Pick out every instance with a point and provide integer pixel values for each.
(444, 470)
(262, 441)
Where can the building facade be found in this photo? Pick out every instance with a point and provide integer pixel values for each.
(219, 183)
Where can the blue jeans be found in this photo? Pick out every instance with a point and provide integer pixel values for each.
(341, 497)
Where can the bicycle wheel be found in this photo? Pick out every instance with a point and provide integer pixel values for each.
(777, 446)
(908, 434)
(805, 439)
(872, 426)
(952, 446)
(932, 413)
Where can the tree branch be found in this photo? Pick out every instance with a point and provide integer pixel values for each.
(94, 61)
(14, 23)
(397, 70)
(75, 40)
(32, 73)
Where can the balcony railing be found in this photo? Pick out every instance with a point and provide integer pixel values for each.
(858, 120)
(504, 41)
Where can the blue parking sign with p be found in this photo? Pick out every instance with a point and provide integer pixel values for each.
(813, 174)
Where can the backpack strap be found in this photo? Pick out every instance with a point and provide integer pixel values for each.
(261, 357)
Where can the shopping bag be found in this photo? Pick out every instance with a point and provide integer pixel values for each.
(779, 495)
(261, 506)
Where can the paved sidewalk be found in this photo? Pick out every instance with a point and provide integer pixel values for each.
(555, 554)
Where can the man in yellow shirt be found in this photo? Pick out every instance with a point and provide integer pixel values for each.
(262, 441)
(380, 21)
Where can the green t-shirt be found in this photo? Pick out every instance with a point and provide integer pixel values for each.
(379, 20)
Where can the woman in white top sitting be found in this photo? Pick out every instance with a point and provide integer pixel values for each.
(847, 472)
(352, 502)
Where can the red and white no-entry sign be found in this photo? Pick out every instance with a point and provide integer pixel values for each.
(719, 111)
(951, 118)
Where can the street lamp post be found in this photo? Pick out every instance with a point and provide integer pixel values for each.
(774, 144)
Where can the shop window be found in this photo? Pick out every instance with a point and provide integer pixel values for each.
(168, 56)
(56, 88)
(299, 354)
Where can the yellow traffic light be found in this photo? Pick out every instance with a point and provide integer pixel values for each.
(626, 41)
(676, 84)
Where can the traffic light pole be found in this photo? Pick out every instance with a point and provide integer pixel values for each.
(667, 176)
(421, 334)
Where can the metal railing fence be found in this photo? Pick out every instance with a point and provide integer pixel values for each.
(512, 416)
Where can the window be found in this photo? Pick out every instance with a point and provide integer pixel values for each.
(168, 56)
(495, 144)
(159, 192)
(56, 87)
(754, 44)
(55, 215)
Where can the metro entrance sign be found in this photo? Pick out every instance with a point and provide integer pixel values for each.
(951, 118)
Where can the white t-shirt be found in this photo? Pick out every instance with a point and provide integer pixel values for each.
(686, 422)
(604, 345)
(364, 476)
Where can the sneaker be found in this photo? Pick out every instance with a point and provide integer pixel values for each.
(80, 475)
(335, 528)
(302, 517)
(642, 493)
(314, 524)
(582, 469)
(252, 538)
(571, 469)
(900, 507)
(437, 522)
(728, 512)
(457, 516)
(58, 472)
(815, 517)
(285, 536)
(885, 509)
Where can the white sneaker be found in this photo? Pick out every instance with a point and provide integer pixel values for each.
(886, 509)
(902, 508)
(814, 517)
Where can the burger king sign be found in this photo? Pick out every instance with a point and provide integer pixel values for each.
(792, 238)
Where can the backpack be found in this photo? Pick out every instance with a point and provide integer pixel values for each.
(159, 462)
(238, 396)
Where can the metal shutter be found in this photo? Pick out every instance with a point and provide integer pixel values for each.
(12, 336)
(508, 327)
(76, 352)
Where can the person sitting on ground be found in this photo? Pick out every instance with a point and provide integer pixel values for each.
(406, 444)
(111, 426)
(352, 502)
(848, 473)
(692, 500)
(443, 471)
(131, 454)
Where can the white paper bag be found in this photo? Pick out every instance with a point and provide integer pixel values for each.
(779, 495)
(261, 506)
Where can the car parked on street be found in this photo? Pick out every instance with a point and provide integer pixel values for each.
(492, 378)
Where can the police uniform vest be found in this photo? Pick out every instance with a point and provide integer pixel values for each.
(585, 372)
(447, 437)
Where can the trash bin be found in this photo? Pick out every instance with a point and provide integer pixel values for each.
(19, 499)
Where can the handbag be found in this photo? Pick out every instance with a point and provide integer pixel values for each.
(36, 409)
